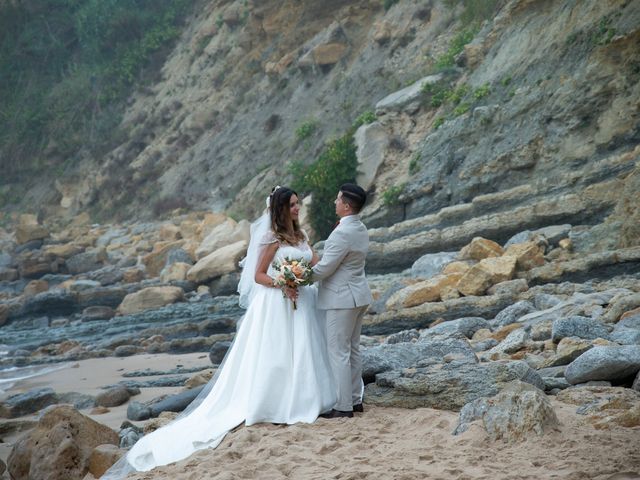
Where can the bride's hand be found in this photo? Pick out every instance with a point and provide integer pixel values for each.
(291, 293)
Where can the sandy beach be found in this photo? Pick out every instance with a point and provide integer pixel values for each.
(381, 443)
(88, 376)
(392, 443)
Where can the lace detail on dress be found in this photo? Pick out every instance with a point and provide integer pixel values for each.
(268, 238)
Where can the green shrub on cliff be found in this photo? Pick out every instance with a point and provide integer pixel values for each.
(447, 59)
(66, 67)
(391, 196)
(337, 164)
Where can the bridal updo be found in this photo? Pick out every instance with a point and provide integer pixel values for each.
(284, 227)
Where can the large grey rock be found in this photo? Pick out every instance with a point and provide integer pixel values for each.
(512, 313)
(126, 350)
(632, 321)
(569, 348)
(110, 296)
(431, 264)
(514, 342)
(424, 315)
(577, 326)
(137, 411)
(397, 101)
(553, 234)
(80, 401)
(605, 363)
(51, 302)
(106, 238)
(27, 403)
(172, 403)
(447, 386)
(580, 304)
(553, 383)
(218, 351)
(586, 266)
(625, 336)
(130, 435)
(397, 356)
(175, 403)
(520, 237)
(113, 397)
(224, 285)
(372, 141)
(106, 275)
(178, 255)
(87, 261)
(512, 415)
(465, 326)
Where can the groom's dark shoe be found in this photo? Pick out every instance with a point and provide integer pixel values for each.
(336, 414)
(358, 408)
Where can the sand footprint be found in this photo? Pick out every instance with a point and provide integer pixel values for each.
(329, 447)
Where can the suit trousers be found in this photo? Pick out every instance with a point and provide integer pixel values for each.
(343, 343)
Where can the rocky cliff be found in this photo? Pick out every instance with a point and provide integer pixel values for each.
(535, 118)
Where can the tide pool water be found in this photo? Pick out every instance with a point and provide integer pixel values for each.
(12, 375)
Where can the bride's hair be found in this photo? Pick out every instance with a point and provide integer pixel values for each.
(284, 227)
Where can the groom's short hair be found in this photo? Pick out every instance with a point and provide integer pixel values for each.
(354, 196)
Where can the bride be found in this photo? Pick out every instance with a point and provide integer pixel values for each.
(277, 369)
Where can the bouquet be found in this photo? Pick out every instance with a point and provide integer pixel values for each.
(292, 273)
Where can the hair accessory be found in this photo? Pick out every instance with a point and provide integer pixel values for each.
(271, 194)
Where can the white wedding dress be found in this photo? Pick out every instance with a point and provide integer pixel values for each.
(277, 370)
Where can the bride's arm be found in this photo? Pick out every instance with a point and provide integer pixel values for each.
(314, 256)
(263, 265)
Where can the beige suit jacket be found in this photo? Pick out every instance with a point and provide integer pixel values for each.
(341, 269)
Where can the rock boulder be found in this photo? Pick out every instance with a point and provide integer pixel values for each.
(60, 447)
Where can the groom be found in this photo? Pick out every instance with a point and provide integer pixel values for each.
(344, 293)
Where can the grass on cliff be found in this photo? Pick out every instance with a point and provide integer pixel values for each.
(67, 67)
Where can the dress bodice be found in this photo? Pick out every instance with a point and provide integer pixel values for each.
(294, 252)
(301, 251)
